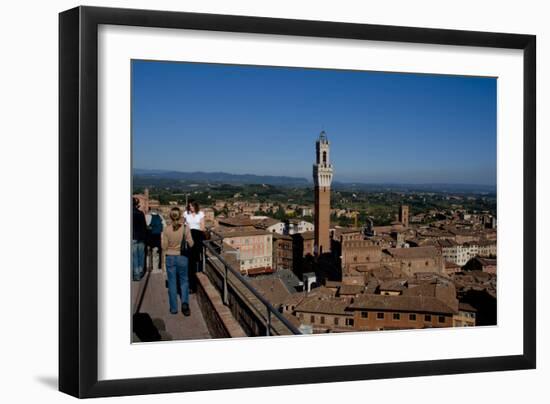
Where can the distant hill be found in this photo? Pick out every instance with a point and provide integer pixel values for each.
(142, 176)
(446, 188)
(220, 177)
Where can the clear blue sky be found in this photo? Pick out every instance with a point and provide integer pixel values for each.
(383, 127)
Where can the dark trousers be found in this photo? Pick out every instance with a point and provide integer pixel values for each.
(154, 241)
(195, 259)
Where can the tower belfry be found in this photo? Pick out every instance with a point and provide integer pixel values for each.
(322, 177)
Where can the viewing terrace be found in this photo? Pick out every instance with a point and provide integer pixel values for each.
(226, 304)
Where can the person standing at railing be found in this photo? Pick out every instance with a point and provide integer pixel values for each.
(194, 218)
(155, 225)
(176, 244)
(139, 234)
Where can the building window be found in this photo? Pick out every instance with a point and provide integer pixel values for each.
(336, 319)
(412, 317)
(322, 319)
(396, 316)
(427, 317)
(380, 316)
(349, 322)
(441, 319)
(365, 314)
(312, 319)
(324, 157)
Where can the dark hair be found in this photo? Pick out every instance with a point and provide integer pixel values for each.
(195, 205)
(135, 201)
(175, 208)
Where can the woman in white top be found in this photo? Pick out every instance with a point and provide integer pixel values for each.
(194, 218)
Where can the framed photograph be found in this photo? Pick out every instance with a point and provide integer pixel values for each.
(251, 201)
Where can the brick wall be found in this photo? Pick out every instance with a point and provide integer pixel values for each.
(217, 316)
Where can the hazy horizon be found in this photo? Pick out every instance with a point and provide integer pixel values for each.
(310, 180)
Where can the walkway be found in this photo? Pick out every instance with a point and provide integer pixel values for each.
(153, 321)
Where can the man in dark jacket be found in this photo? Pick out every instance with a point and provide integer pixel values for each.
(139, 235)
(155, 226)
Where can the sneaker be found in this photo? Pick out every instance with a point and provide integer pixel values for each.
(173, 312)
(185, 309)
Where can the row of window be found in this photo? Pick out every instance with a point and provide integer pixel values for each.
(379, 316)
(397, 316)
(349, 321)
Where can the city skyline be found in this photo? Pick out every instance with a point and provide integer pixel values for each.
(384, 127)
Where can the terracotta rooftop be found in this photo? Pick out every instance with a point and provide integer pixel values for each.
(236, 221)
(264, 223)
(273, 289)
(324, 306)
(424, 289)
(290, 280)
(351, 290)
(346, 230)
(385, 272)
(394, 285)
(228, 232)
(294, 298)
(442, 243)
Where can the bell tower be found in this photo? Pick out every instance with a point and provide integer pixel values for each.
(322, 177)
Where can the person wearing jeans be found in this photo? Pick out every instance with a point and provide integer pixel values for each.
(138, 260)
(177, 272)
(139, 234)
(174, 238)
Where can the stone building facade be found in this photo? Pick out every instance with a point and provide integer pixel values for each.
(254, 246)
(413, 260)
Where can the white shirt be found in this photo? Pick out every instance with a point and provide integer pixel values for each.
(193, 220)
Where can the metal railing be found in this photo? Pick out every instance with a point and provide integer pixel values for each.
(212, 248)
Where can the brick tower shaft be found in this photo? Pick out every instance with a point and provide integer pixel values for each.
(322, 219)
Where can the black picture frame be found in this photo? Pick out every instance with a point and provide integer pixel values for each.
(78, 196)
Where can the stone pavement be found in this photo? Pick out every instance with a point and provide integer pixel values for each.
(153, 321)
